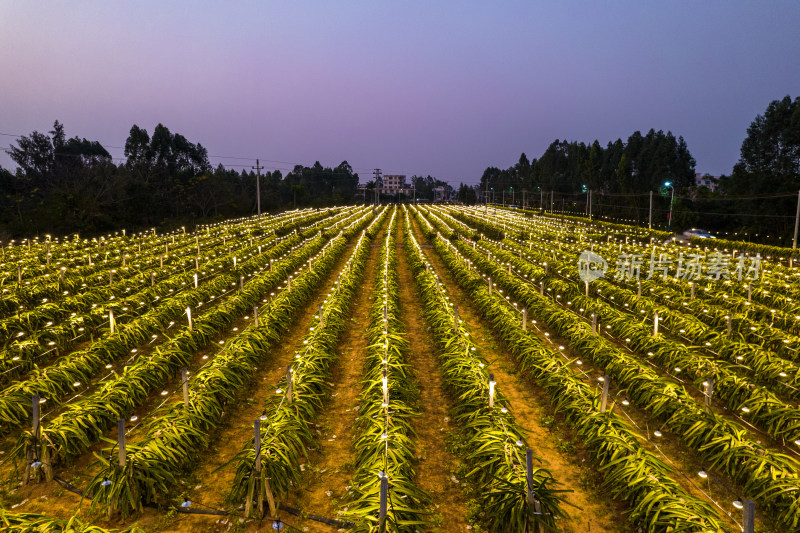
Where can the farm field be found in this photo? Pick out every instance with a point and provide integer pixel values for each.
(411, 368)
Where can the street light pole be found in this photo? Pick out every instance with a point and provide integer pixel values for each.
(586, 207)
(671, 198)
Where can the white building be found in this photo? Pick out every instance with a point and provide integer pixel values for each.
(393, 184)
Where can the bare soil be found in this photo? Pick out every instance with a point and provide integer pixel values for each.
(328, 470)
(436, 464)
(589, 508)
(209, 484)
(719, 490)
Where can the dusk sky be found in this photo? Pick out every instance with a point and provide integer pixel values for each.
(439, 88)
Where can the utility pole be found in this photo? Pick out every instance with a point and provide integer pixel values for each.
(524, 203)
(650, 219)
(590, 204)
(796, 222)
(377, 173)
(551, 202)
(258, 168)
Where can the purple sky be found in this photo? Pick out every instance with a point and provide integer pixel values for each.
(440, 88)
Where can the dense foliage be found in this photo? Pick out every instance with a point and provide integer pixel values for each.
(65, 185)
(707, 364)
(74, 185)
(642, 163)
(757, 200)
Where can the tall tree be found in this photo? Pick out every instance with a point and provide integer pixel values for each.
(770, 154)
(769, 163)
(466, 194)
(137, 148)
(35, 157)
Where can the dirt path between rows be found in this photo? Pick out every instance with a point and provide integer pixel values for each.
(208, 485)
(590, 509)
(717, 487)
(328, 471)
(435, 464)
(215, 476)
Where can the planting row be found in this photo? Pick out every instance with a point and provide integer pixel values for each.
(173, 440)
(771, 477)
(657, 502)
(269, 464)
(84, 420)
(383, 494)
(514, 494)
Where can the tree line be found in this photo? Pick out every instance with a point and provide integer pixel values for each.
(561, 178)
(760, 195)
(64, 185)
(758, 199)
